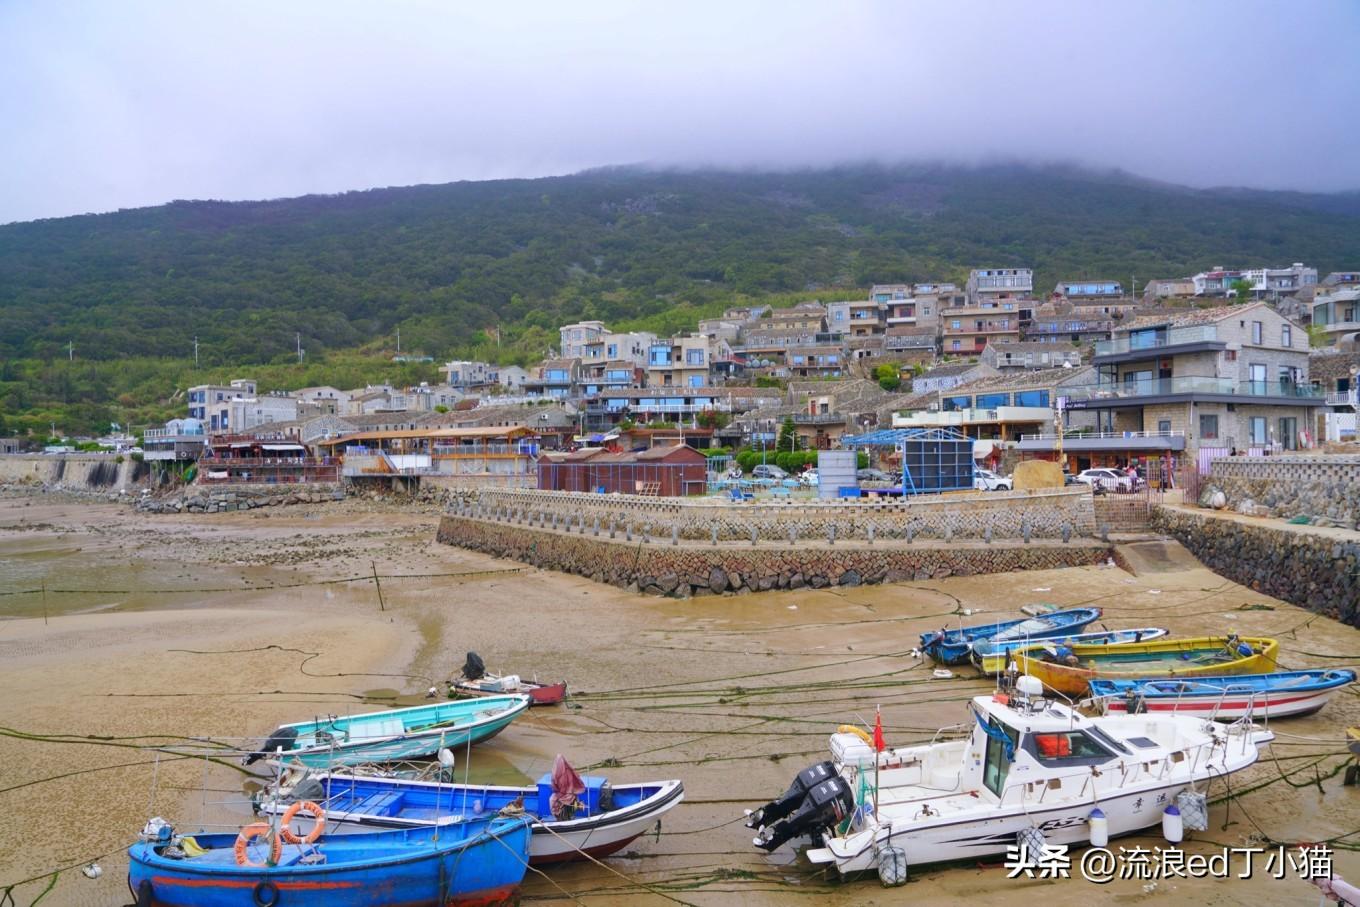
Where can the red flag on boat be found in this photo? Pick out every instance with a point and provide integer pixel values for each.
(879, 745)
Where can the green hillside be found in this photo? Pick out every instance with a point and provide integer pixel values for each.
(448, 264)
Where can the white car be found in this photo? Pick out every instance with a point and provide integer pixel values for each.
(1107, 479)
(986, 480)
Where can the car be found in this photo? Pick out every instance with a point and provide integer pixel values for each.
(809, 478)
(986, 480)
(1106, 479)
(873, 476)
(769, 471)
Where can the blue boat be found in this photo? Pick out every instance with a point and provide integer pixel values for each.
(1275, 695)
(992, 656)
(608, 818)
(478, 863)
(951, 647)
(394, 735)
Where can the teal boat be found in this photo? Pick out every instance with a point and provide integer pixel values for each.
(391, 736)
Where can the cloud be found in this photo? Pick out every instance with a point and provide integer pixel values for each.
(120, 105)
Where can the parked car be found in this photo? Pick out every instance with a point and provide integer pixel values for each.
(986, 480)
(873, 476)
(1106, 479)
(809, 478)
(769, 471)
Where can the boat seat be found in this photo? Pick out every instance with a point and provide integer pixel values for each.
(385, 727)
(942, 780)
(384, 804)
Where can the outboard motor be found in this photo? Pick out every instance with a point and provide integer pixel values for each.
(806, 780)
(824, 807)
(474, 668)
(282, 739)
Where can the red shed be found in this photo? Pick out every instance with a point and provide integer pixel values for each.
(669, 472)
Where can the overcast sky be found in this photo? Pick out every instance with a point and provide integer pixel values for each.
(120, 104)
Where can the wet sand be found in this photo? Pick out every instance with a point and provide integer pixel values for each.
(733, 695)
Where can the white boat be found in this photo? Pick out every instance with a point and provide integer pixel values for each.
(1026, 764)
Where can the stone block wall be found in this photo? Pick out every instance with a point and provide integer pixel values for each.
(1049, 513)
(226, 498)
(660, 568)
(1314, 570)
(1325, 488)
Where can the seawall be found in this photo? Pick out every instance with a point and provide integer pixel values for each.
(1317, 569)
(72, 472)
(666, 566)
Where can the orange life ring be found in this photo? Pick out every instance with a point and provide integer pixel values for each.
(249, 833)
(316, 812)
(859, 732)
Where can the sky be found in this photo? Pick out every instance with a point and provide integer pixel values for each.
(114, 105)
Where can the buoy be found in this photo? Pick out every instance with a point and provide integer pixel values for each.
(892, 865)
(93, 871)
(942, 674)
(1100, 828)
(446, 757)
(1172, 827)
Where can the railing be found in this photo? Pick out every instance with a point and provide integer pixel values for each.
(986, 327)
(1207, 333)
(1104, 435)
(1330, 326)
(1341, 398)
(818, 418)
(1155, 387)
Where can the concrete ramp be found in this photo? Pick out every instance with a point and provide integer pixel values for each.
(1156, 557)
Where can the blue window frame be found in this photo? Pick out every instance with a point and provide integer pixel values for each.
(694, 357)
(696, 381)
(954, 403)
(992, 401)
(1031, 398)
(616, 404)
(557, 374)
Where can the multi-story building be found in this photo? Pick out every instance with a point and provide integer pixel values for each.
(201, 396)
(994, 407)
(909, 346)
(887, 292)
(512, 377)
(557, 378)
(321, 401)
(679, 404)
(612, 347)
(1266, 283)
(1233, 377)
(1155, 291)
(1063, 322)
(683, 361)
(1029, 356)
(239, 414)
(575, 337)
(469, 375)
(728, 329)
(1335, 308)
(826, 361)
(999, 283)
(968, 329)
(950, 375)
(612, 375)
(1089, 289)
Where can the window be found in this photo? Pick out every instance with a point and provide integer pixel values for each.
(1257, 380)
(1258, 429)
(612, 351)
(925, 310)
(1164, 426)
(696, 380)
(955, 403)
(954, 345)
(1031, 398)
(956, 324)
(694, 357)
(1286, 336)
(997, 764)
(1256, 329)
(1208, 427)
(1073, 745)
(1289, 432)
(992, 401)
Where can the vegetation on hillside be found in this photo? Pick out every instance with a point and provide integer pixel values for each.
(489, 270)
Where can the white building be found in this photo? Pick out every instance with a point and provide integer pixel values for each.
(1266, 283)
(574, 337)
(986, 283)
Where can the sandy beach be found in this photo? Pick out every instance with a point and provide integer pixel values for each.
(219, 627)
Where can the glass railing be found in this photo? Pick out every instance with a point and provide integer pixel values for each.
(1132, 343)
(1155, 387)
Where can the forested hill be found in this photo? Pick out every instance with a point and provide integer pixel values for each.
(655, 248)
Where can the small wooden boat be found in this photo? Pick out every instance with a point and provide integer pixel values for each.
(392, 735)
(478, 863)
(1190, 657)
(476, 680)
(952, 646)
(608, 819)
(992, 656)
(1277, 695)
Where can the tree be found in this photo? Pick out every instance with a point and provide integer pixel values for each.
(1242, 289)
(788, 435)
(889, 377)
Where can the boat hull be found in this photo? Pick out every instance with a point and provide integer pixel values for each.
(1141, 661)
(553, 841)
(992, 658)
(481, 870)
(1282, 695)
(538, 693)
(954, 647)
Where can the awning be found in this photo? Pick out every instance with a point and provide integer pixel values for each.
(282, 447)
(214, 474)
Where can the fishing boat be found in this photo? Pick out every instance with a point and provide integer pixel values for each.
(478, 863)
(1026, 770)
(391, 735)
(1071, 669)
(992, 656)
(476, 680)
(1258, 696)
(606, 819)
(951, 647)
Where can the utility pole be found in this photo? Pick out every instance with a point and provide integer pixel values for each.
(398, 341)
(70, 351)
(195, 352)
(299, 347)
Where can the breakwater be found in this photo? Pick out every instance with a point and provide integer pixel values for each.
(1317, 570)
(227, 498)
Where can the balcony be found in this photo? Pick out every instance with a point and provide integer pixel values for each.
(1104, 435)
(1175, 337)
(1166, 387)
(818, 418)
(1338, 326)
(984, 327)
(1341, 398)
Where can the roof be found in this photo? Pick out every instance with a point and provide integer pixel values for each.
(1327, 367)
(948, 371)
(1032, 346)
(476, 432)
(1192, 316)
(1041, 377)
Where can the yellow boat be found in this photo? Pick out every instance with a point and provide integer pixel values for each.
(1140, 660)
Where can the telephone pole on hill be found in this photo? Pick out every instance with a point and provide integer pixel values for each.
(195, 352)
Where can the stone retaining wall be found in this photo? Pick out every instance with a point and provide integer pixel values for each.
(224, 498)
(660, 568)
(1317, 571)
(1057, 513)
(1324, 488)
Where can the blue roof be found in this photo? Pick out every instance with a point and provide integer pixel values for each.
(893, 437)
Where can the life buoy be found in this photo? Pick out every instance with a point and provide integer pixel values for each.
(248, 834)
(316, 812)
(859, 732)
(265, 894)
